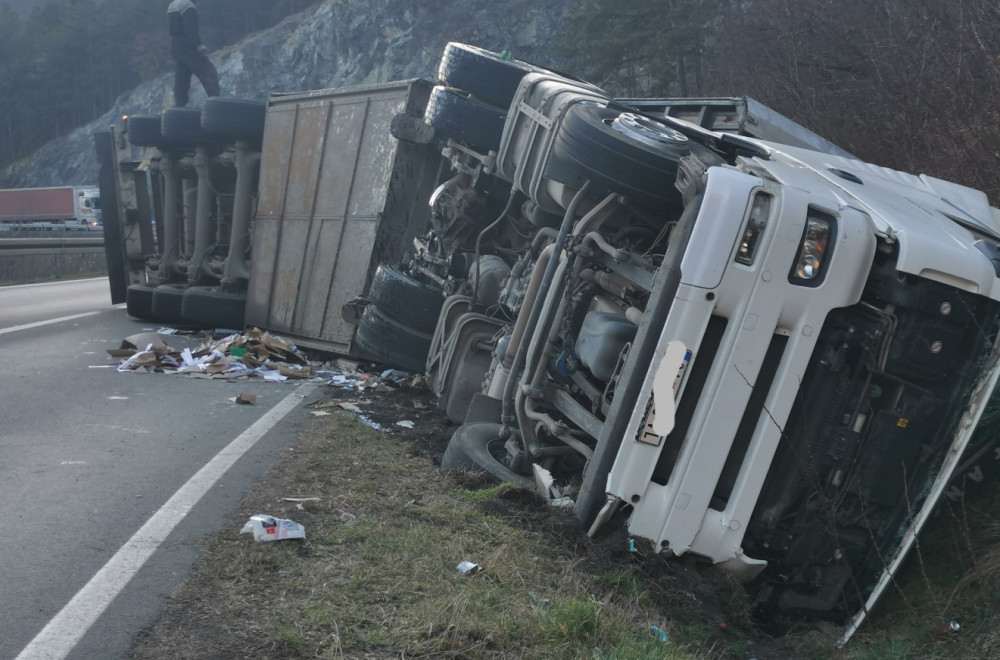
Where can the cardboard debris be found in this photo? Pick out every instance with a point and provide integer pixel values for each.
(142, 340)
(343, 364)
(246, 398)
(255, 353)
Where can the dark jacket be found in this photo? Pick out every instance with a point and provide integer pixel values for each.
(182, 21)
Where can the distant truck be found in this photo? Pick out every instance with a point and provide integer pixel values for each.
(66, 208)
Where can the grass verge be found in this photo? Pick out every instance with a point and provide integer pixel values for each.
(377, 575)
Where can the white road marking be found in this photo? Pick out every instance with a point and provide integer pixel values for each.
(64, 631)
(38, 324)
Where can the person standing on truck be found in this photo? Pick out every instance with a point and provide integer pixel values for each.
(190, 55)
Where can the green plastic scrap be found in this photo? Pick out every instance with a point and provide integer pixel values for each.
(506, 55)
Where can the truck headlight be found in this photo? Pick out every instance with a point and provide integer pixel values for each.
(760, 211)
(808, 268)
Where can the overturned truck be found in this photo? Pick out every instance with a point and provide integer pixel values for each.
(692, 314)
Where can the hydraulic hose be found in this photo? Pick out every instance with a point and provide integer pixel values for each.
(507, 415)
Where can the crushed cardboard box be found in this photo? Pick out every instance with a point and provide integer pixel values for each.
(256, 353)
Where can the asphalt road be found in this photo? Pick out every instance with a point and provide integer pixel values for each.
(88, 456)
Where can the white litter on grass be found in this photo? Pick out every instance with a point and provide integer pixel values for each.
(269, 528)
(406, 424)
(372, 423)
(469, 568)
(319, 413)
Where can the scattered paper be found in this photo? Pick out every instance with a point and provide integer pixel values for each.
(319, 413)
(405, 423)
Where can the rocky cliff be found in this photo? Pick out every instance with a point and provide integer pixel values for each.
(340, 43)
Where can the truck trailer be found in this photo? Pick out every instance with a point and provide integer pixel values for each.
(693, 316)
(70, 208)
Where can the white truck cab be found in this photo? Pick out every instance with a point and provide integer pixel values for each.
(839, 327)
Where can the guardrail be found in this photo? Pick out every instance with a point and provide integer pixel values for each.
(51, 257)
(50, 242)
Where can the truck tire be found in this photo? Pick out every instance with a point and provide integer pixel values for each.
(405, 299)
(465, 120)
(167, 302)
(212, 308)
(624, 153)
(483, 74)
(139, 301)
(184, 125)
(382, 339)
(144, 131)
(469, 447)
(234, 118)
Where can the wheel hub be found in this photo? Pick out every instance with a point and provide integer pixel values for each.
(645, 130)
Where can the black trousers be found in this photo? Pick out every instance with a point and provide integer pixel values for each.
(186, 62)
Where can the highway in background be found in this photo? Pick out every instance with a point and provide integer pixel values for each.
(89, 455)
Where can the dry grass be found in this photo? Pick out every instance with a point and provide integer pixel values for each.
(377, 574)
(377, 577)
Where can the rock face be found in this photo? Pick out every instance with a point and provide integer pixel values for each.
(341, 43)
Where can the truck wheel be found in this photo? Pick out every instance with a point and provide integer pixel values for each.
(167, 302)
(475, 124)
(234, 118)
(144, 131)
(625, 153)
(383, 339)
(208, 306)
(139, 301)
(482, 73)
(470, 446)
(408, 300)
(184, 125)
